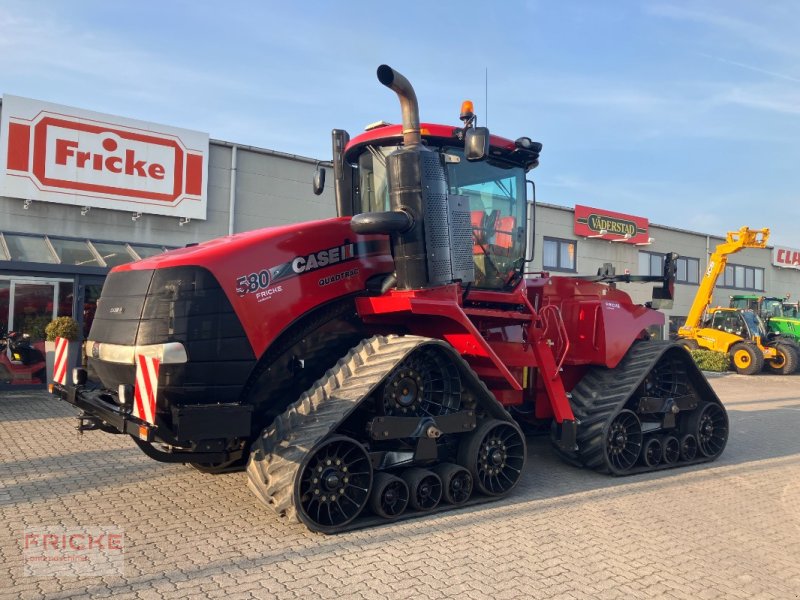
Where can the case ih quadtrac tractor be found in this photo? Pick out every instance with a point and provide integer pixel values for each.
(381, 364)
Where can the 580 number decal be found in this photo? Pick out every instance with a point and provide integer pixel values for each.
(253, 282)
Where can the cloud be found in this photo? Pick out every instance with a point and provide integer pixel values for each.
(752, 68)
(765, 98)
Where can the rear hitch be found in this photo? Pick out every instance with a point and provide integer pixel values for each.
(87, 422)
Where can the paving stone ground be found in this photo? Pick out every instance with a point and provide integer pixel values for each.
(730, 529)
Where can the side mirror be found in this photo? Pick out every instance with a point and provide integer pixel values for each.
(476, 143)
(319, 181)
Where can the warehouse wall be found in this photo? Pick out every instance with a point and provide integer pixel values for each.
(271, 189)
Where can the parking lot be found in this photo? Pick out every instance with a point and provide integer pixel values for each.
(730, 529)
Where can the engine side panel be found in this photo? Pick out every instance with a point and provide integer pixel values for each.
(273, 276)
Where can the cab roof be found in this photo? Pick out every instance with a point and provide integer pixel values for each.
(449, 135)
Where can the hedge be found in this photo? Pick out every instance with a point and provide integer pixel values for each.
(710, 360)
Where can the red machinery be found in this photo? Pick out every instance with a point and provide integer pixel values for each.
(376, 365)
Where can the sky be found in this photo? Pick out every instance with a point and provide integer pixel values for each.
(684, 112)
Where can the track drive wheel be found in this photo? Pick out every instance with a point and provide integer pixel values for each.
(672, 450)
(456, 483)
(709, 424)
(494, 454)
(425, 488)
(333, 484)
(389, 496)
(688, 447)
(747, 358)
(623, 442)
(786, 361)
(652, 452)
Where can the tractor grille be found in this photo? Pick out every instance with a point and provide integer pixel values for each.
(181, 304)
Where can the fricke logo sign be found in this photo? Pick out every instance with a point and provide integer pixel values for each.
(54, 153)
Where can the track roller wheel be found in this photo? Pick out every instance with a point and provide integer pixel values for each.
(494, 454)
(425, 488)
(333, 484)
(389, 496)
(672, 450)
(747, 358)
(709, 424)
(652, 451)
(688, 447)
(456, 483)
(786, 361)
(623, 442)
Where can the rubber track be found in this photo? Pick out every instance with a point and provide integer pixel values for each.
(277, 453)
(601, 394)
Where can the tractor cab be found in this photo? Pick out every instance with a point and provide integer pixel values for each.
(454, 199)
(771, 307)
(494, 189)
(765, 307)
(743, 323)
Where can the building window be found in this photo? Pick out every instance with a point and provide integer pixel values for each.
(741, 277)
(651, 263)
(559, 255)
(688, 269)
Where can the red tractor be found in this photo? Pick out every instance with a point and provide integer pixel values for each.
(379, 365)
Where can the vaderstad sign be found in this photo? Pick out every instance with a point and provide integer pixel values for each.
(54, 153)
(610, 225)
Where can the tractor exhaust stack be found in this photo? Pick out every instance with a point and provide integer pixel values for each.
(408, 102)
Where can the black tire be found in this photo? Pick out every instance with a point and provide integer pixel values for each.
(709, 424)
(688, 344)
(651, 454)
(333, 484)
(494, 454)
(623, 442)
(787, 360)
(688, 447)
(389, 497)
(456, 483)
(746, 358)
(424, 488)
(230, 466)
(672, 450)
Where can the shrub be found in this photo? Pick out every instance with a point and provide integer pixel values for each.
(711, 360)
(65, 327)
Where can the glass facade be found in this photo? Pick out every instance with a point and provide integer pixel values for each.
(70, 251)
(74, 252)
(29, 248)
(113, 254)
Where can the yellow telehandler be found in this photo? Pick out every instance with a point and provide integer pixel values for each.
(739, 333)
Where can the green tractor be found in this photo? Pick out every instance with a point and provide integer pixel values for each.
(780, 316)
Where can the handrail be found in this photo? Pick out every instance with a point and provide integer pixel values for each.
(550, 317)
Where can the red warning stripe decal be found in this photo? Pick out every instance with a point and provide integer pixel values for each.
(144, 405)
(60, 363)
